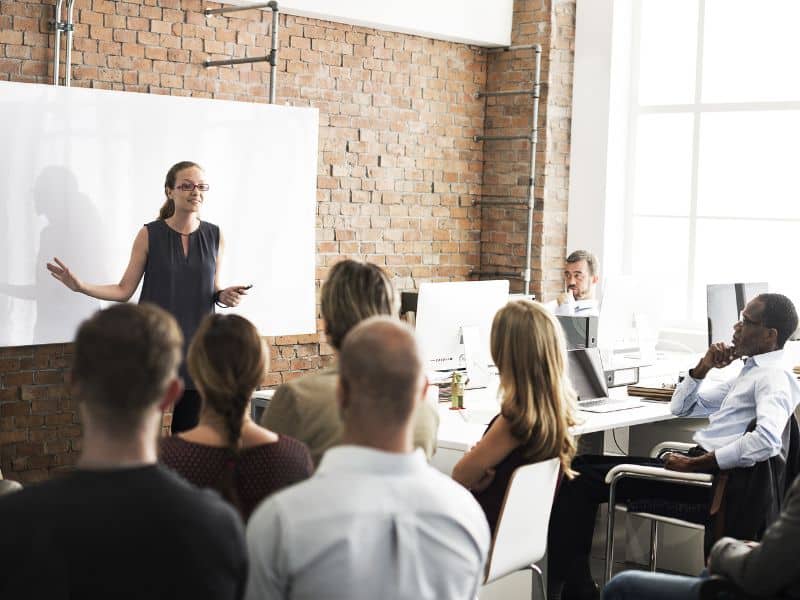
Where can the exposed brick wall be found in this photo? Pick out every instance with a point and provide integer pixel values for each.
(550, 23)
(399, 175)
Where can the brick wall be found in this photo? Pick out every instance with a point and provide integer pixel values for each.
(399, 180)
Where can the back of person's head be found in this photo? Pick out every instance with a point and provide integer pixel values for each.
(591, 260)
(528, 347)
(353, 292)
(779, 314)
(226, 360)
(125, 357)
(381, 372)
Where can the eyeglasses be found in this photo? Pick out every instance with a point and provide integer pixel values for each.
(747, 321)
(190, 187)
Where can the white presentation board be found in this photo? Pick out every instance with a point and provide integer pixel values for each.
(82, 170)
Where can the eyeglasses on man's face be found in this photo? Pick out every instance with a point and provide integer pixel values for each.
(190, 187)
(747, 321)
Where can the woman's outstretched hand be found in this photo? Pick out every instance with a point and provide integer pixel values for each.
(60, 271)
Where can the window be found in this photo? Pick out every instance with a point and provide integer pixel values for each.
(712, 184)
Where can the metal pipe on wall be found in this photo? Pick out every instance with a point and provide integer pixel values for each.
(57, 45)
(273, 55)
(526, 274)
(68, 57)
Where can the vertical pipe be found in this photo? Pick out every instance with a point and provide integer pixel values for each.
(68, 57)
(526, 274)
(273, 55)
(57, 45)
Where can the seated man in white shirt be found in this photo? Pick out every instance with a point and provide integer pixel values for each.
(581, 274)
(375, 520)
(765, 391)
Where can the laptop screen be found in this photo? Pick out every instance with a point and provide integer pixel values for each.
(586, 373)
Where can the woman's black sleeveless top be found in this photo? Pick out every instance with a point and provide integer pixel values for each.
(181, 284)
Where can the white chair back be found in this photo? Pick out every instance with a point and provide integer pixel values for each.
(521, 536)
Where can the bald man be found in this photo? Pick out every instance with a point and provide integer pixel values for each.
(375, 520)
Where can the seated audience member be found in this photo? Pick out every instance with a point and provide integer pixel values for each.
(375, 520)
(760, 570)
(765, 391)
(305, 408)
(227, 451)
(121, 526)
(528, 347)
(581, 274)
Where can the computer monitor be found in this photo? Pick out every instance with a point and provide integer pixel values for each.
(585, 371)
(445, 309)
(579, 332)
(724, 302)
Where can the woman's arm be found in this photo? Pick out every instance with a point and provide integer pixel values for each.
(229, 296)
(117, 292)
(475, 469)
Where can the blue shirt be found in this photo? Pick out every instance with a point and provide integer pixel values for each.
(764, 390)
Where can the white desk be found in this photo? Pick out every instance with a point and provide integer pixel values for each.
(456, 435)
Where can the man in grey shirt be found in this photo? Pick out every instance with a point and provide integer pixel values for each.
(375, 520)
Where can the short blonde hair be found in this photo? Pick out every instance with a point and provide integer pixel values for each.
(528, 347)
(353, 292)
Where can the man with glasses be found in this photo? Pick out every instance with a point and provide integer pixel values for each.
(580, 280)
(765, 393)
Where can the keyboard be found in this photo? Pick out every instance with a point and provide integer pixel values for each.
(604, 405)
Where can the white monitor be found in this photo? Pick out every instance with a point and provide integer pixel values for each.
(445, 309)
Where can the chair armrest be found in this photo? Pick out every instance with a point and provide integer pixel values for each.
(657, 473)
(664, 447)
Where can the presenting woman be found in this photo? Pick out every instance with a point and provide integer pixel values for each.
(179, 256)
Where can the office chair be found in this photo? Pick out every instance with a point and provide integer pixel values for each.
(620, 472)
(520, 539)
(791, 459)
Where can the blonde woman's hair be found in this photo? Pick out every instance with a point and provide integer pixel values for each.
(528, 347)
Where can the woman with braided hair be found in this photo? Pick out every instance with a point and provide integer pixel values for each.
(227, 451)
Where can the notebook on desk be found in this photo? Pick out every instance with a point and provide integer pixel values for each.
(585, 370)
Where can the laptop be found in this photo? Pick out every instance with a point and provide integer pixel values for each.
(585, 370)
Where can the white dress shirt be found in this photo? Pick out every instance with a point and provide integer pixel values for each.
(372, 525)
(574, 308)
(764, 390)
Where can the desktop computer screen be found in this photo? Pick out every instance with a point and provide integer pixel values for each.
(724, 302)
(445, 309)
(585, 371)
(580, 332)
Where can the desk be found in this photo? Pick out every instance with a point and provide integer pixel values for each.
(456, 435)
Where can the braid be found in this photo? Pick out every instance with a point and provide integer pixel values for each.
(226, 359)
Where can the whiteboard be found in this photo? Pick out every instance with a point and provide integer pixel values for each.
(82, 170)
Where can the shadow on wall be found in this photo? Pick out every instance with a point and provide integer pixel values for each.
(38, 309)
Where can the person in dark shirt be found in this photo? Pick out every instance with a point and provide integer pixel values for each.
(180, 257)
(227, 450)
(120, 526)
